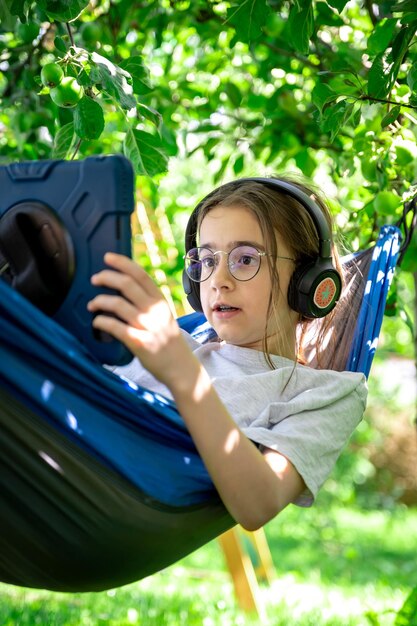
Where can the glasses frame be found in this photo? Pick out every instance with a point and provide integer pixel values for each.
(260, 253)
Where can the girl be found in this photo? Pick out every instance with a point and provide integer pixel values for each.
(268, 428)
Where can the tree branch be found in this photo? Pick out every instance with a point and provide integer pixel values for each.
(369, 5)
(290, 54)
(384, 101)
(71, 38)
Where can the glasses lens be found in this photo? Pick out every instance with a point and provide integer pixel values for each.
(199, 264)
(244, 262)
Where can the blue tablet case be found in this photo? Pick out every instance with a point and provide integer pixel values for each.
(57, 220)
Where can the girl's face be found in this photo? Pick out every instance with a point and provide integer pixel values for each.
(237, 310)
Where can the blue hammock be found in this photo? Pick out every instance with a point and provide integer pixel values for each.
(101, 483)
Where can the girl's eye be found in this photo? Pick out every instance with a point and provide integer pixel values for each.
(247, 259)
(207, 261)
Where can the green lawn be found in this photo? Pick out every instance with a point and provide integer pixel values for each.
(333, 566)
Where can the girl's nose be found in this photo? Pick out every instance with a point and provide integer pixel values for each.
(221, 275)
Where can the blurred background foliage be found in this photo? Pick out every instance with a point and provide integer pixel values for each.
(198, 92)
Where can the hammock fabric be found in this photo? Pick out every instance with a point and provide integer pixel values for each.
(100, 482)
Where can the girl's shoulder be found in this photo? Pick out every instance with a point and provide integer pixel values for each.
(332, 384)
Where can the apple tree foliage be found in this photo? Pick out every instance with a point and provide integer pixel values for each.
(327, 88)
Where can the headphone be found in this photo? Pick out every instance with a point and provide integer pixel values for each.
(315, 286)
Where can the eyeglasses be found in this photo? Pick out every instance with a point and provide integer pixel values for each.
(243, 262)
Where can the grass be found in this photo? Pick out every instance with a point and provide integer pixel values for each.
(333, 566)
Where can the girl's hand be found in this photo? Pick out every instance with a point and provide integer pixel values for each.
(143, 321)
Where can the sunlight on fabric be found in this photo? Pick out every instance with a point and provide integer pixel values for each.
(148, 397)
(387, 246)
(380, 276)
(72, 421)
(161, 399)
(372, 345)
(46, 390)
(129, 383)
(187, 460)
(48, 459)
(377, 252)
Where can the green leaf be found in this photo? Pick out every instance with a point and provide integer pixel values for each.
(7, 22)
(150, 114)
(373, 618)
(63, 10)
(17, 7)
(356, 115)
(135, 67)
(63, 141)
(386, 202)
(404, 5)
(88, 119)
(233, 93)
(335, 116)
(60, 44)
(409, 17)
(405, 152)
(239, 164)
(305, 162)
(146, 152)
(402, 42)
(407, 615)
(301, 25)
(248, 18)
(409, 261)
(169, 140)
(412, 78)
(339, 5)
(326, 16)
(115, 80)
(391, 116)
(322, 94)
(385, 68)
(380, 77)
(220, 172)
(381, 36)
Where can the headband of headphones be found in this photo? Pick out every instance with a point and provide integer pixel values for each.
(315, 286)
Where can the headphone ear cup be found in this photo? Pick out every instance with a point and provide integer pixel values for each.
(314, 289)
(192, 291)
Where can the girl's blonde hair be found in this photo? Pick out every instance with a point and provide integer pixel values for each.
(277, 212)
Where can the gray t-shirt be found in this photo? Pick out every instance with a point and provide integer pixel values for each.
(307, 415)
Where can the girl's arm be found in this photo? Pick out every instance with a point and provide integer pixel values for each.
(254, 486)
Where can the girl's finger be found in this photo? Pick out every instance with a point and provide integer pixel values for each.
(125, 285)
(116, 305)
(127, 266)
(131, 337)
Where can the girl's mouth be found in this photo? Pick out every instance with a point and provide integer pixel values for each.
(224, 311)
(225, 307)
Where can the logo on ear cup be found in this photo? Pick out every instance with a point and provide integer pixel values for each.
(325, 293)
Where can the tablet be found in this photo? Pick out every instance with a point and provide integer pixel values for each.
(57, 220)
